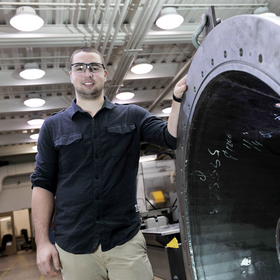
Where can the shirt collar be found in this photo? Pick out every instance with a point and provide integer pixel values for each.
(75, 108)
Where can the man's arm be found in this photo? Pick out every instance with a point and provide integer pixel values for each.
(179, 90)
(42, 212)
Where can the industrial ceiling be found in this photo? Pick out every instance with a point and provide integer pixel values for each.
(122, 30)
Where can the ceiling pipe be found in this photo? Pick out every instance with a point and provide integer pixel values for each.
(95, 23)
(102, 24)
(140, 22)
(108, 32)
(170, 86)
(136, 40)
(117, 28)
(126, 60)
(193, 5)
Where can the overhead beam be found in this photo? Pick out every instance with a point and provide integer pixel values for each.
(68, 35)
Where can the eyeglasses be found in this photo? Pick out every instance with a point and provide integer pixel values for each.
(93, 67)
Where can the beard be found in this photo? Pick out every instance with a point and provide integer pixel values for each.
(90, 94)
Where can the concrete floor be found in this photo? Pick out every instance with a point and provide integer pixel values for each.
(23, 267)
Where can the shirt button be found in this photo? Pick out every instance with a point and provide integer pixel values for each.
(97, 218)
(96, 177)
(97, 157)
(95, 136)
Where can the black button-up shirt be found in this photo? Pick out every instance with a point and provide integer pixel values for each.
(90, 164)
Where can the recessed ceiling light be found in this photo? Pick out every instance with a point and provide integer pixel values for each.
(26, 19)
(167, 110)
(32, 71)
(35, 119)
(141, 66)
(124, 94)
(169, 19)
(34, 100)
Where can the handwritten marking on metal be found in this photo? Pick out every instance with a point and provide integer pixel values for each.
(266, 134)
(213, 178)
(252, 144)
(277, 117)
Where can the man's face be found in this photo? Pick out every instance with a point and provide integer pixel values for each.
(88, 85)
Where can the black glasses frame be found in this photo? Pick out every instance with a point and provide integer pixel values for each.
(87, 65)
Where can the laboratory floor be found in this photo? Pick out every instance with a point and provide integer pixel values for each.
(23, 267)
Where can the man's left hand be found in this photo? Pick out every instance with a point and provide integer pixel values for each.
(180, 87)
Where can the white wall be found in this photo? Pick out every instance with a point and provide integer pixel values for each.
(16, 198)
(15, 187)
(21, 221)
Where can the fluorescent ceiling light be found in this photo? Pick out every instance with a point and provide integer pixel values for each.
(148, 158)
(35, 119)
(32, 71)
(26, 19)
(167, 110)
(34, 100)
(169, 19)
(124, 94)
(141, 66)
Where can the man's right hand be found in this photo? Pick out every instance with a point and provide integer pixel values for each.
(45, 254)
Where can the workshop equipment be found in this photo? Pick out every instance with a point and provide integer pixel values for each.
(228, 152)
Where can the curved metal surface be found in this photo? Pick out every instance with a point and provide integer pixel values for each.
(277, 239)
(228, 153)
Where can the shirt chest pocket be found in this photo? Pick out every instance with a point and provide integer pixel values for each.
(122, 139)
(71, 150)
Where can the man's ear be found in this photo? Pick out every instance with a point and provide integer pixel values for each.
(70, 74)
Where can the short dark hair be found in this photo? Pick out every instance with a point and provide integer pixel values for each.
(88, 50)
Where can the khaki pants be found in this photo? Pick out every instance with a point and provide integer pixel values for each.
(125, 262)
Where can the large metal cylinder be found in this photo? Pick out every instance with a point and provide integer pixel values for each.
(228, 153)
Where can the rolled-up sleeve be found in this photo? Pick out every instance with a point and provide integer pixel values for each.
(45, 173)
(154, 130)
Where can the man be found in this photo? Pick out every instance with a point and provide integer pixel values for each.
(87, 159)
